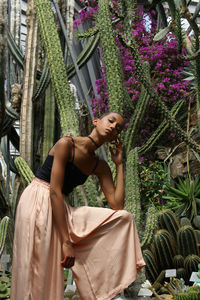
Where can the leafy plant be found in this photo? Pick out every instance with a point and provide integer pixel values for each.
(154, 178)
(184, 198)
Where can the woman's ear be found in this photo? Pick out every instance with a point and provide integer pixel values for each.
(95, 120)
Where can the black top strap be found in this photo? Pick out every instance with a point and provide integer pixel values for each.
(73, 151)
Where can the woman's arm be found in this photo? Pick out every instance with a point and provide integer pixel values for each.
(114, 194)
(62, 154)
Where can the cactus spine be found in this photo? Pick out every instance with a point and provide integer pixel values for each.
(151, 225)
(64, 98)
(28, 85)
(133, 186)
(24, 170)
(3, 22)
(163, 249)
(49, 121)
(3, 232)
(151, 266)
(115, 85)
(191, 264)
(187, 241)
(168, 220)
(178, 261)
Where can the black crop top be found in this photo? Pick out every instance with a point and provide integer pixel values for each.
(73, 175)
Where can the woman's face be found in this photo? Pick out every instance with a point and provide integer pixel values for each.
(109, 126)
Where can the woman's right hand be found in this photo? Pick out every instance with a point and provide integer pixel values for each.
(69, 255)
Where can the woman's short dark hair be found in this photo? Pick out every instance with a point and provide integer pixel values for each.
(108, 113)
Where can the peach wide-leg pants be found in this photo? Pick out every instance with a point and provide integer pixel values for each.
(107, 249)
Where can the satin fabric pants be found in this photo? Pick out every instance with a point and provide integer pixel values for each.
(107, 249)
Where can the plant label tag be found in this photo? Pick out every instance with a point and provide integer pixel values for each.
(170, 273)
(145, 292)
(5, 258)
(194, 277)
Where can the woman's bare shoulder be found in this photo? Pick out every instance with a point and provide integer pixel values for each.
(62, 146)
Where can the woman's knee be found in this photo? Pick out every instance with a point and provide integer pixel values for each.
(125, 216)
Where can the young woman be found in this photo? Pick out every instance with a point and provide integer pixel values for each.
(100, 245)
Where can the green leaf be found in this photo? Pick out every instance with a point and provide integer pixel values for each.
(161, 34)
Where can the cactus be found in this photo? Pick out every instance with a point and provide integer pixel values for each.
(197, 233)
(151, 266)
(187, 241)
(181, 273)
(116, 89)
(195, 288)
(178, 261)
(191, 264)
(163, 249)
(138, 114)
(64, 98)
(168, 220)
(196, 222)
(181, 296)
(132, 204)
(91, 191)
(3, 232)
(3, 21)
(24, 169)
(49, 121)
(158, 102)
(150, 227)
(185, 221)
(26, 129)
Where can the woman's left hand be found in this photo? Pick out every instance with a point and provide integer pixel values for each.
(116, 151)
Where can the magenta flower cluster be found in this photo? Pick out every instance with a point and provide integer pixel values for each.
(165, 65)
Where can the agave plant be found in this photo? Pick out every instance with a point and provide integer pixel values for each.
(184, 198)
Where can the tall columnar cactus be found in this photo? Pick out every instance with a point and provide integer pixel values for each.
(26, 126)
(187, 241)
(130, 42)
(116, 89)
(151, 267)
(132, 187)
(137, 117)
(3, 22)
(64, 98)
(91, 192)
(168, 220)
(49, 121)
(3, 231)
(150, 227)
(15, 19)
(163, 249)
(24, 170)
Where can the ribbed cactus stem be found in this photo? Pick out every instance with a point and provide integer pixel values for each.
(24, 170)
(111, 58)
(163, 248)
(160, 130)
(132, 203)
(91, 191)
(150, 227)
(49, 121)
(151, 267)
(168, 220)
(3, 22)
(26, 115)
(187, 241)
(3, 231)
(64, 98)
(160, 104)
